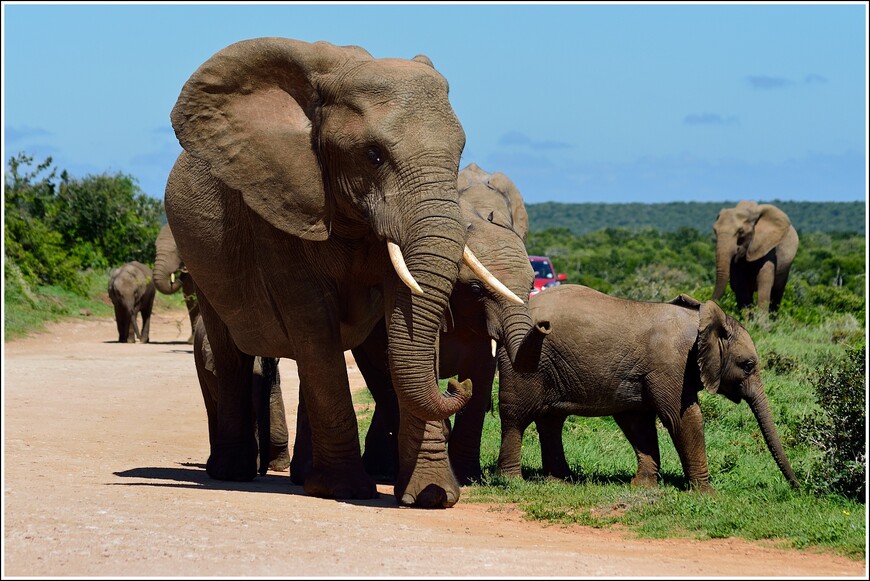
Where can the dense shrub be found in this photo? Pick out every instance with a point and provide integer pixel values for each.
(839, 431)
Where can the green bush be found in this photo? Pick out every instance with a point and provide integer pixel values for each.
(838, 432)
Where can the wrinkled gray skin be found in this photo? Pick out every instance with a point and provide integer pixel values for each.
(755, 246)
(634, 361)
(495, 217)
(132, 293)
(269, 416)
(301, 162)
(170, 274)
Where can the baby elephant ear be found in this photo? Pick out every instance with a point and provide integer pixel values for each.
(713, 335)
(772, 226)
(247, 112)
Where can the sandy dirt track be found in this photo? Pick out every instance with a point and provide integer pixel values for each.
(103, 475)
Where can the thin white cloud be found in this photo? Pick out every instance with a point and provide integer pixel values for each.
(21, 133)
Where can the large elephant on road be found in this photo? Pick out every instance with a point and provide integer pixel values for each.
(755, 246)
(635, 361)
(483, 313)
(131, 290)
(323, 181)
(171, 276)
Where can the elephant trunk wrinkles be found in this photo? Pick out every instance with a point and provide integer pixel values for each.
(523, 339)
(161, 273)
(723, 269)
(761, 408)
(415, 320)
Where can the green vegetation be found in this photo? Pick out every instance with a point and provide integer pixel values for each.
(63, 235)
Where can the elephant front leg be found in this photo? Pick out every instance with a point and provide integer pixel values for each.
(687, 432)
(336, 469)
(464, 444)
(553, 460)
(425, 478)
(640, 430)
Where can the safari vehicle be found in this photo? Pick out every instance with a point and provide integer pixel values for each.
(545, 276)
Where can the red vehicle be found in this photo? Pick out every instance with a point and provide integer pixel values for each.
(545, 276)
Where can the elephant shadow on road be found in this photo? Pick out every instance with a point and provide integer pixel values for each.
(193, 475)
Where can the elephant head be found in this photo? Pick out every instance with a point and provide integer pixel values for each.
(497, 225)
(728, 363)
(746, 232)
(347, 164)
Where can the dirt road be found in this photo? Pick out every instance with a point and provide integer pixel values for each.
(103, 474)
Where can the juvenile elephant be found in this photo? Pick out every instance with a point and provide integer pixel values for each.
(634, 361)
(316, 194)
(755, 246)
(481, 314)
(131, 290)
(170, 274)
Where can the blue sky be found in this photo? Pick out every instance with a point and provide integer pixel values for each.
(574, 102)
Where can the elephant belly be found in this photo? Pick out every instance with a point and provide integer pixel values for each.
(600, 400)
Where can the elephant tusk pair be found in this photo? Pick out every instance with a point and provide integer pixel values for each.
(473, 263)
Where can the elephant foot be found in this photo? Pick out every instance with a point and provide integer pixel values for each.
(645, 481)
(236, 462)
(467, 474)
(701, 487)
(340, 484)
(434, 487)
(279, 458)
(300, 467)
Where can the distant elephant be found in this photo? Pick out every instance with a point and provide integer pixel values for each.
(634, 361)
(480, 314)
(755, 246)
(269, 416)
(131, 290)
(315, 194)
(170, 274)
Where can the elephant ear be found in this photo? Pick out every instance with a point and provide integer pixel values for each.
(470, 175)
(770, 229)
(713, 336)
(519, 216)
(686, 301)
(247, 112)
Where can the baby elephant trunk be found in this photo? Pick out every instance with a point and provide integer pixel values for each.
(761, 408)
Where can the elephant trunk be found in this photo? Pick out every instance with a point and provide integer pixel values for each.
(761, 408)
(724, 254)
(523, 338)
(163, 270)
(414, 319)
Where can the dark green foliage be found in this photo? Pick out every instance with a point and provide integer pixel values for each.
(585, 218)
(840, 431)
(55, 230)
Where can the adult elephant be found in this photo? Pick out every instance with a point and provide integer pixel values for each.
(171, 276)
(755, 246)
(485, 310)
(636, 361)
(131, 290)
(316, 194)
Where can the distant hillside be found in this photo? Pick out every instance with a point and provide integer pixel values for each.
(584, 218)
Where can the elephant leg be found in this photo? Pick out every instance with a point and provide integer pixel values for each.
(146, 323)
(303, 454)
(513, 425)
(765, 286)
(279, 453)
(742, 283)
(463, 447)
(427, 484)
(381, 455)
(263, 384)
(639, 428)
(233, 439)
(122, 322)
(553, 459)
(687, 432)
(337, 470)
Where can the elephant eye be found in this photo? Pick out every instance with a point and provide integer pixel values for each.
(748, 366)
(376, 158)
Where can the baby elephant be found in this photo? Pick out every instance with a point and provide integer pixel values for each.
(634, 361)
(131, 290)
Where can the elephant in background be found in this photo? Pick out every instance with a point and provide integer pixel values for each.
(170, 274)
(131, 290)
(634, 361)
(324, 182)
(481, 314)
(755, 246)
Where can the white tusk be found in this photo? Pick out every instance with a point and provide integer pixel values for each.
(401, 269)
(488, 278)
(172, 278)
(494, 346)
